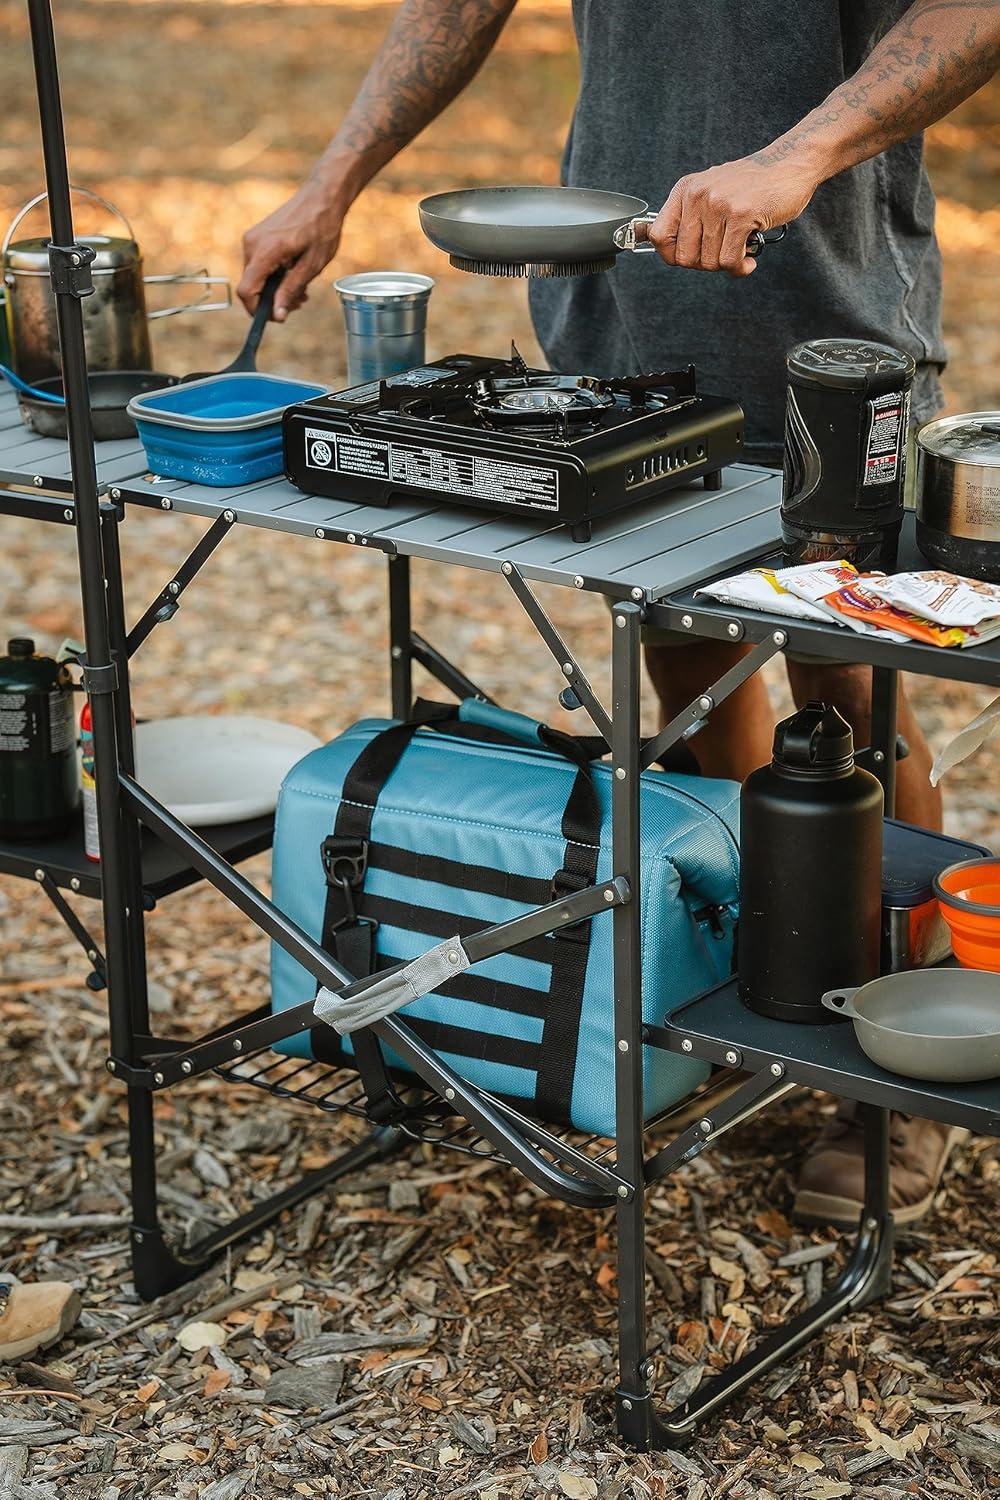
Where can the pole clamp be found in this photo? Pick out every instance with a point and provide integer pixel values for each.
(69, 268)
(99, 679)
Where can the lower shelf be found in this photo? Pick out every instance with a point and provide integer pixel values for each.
(163, 869)
(824, 1057)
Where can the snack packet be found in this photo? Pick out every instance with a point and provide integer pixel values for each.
(939, 596)
(761, 588)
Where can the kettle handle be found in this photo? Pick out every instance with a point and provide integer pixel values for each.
(841, 1002)
(41, 197)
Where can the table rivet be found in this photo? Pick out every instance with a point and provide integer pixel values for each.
(626, 1406)
(623, 1193)
(578, 581)
(116, 494)
(620, 621)
(69, 515)
(38, 481)
(396, 653)
(734, 630)
(871, 1224)
(237, 1045)
(507, 569)
(39, 874)
(646, 1369)
(637, 595)
(732, 1058)
(449, 1093)
(321, 533)
(878, 757)
(74, 884)
(620, 773)
(687, 1046)
(779, 637)
(186, 1065)
(567, 667)
(166, 503)
(453, 956)
(705, 1126)
(609, 896)
(137, 1237)
(705, 703)
(92, 955)
(352, 536)
(686, 622)
(157, 1077)
(74, 259)
(777, 1070)
(110, 1065)
(173, 587)
(229, 515)
(623, 1046)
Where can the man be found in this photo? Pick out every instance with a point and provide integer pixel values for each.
(741, 116)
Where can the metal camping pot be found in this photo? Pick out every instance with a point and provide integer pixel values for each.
(958, 494)
(116, 323)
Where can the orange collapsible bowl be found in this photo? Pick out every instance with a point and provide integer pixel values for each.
(969, 894)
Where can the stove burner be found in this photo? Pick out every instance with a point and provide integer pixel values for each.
(534, 401)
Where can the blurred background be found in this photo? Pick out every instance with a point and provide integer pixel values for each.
(197, 117)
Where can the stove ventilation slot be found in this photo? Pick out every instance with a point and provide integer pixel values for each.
(659, 464)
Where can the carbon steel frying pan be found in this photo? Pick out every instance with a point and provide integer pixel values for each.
(542, 231)
(110, 393)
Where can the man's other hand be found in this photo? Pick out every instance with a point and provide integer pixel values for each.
(303, 235)
(709, 216)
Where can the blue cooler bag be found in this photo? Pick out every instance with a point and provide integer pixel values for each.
(395, 837)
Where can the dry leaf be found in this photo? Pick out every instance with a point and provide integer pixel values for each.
(448, 1455)
(195, 1336)
(738, 1314)
(577, 1487)
(771, 1222)
(148, 1391)
(729, 1272)
(177, 1453)
(807, 1461)
(216, 1382)
(692, 1336)
(248, 1280)
(262, 1322)
(896, 1448)
(539, 1449)
(606, 1276)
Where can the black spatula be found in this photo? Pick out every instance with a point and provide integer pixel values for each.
(245, 362)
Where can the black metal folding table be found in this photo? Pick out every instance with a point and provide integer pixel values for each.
(648, 561)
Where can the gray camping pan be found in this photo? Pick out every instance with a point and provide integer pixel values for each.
(942, 1025)
(543, 231)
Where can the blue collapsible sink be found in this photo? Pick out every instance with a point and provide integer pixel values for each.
(223, 430)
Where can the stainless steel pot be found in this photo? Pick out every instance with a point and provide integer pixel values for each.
(958, 494)
(116, 323)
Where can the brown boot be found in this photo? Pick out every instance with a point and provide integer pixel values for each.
(34, 1315)
(832, 1179)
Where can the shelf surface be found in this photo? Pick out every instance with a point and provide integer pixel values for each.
(825, 1057)
(164, 870)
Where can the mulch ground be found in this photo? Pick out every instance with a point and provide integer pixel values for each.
(434, 1328)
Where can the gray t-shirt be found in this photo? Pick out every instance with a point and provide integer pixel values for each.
(670, 87)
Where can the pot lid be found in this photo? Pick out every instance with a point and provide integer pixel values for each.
(31, 257)
(970, 438)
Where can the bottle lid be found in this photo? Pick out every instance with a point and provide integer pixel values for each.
(972, 438)
(816, 741)
(853, 364)
(20, 646)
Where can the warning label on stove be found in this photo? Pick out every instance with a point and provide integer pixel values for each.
(885, 449)
(469, 475)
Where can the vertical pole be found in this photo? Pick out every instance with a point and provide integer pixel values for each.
(885, 697)
(634, 1417)
(400, 655)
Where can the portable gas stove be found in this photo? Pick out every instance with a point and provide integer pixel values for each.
(495, 435)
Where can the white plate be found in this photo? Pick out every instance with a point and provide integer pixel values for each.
(209, 769)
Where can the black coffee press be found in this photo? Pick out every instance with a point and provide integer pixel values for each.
(811, 873)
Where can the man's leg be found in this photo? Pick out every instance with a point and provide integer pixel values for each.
(737, 737)
(849, 688)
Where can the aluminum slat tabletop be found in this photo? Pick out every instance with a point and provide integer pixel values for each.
(658, 546)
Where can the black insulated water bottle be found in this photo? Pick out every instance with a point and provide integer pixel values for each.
(811, 876)
(39, 777)
(846, 418)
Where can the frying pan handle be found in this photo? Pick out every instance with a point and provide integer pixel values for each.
(841, 1002)
(625, 237)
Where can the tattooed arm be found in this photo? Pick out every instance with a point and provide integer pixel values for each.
(937, 54)
(433, 49)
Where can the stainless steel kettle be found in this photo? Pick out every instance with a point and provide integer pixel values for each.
(116, 323)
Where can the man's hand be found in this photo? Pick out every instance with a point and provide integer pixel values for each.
(303, 234)
(709, 216)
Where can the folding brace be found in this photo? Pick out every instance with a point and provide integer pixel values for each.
(576, 680)
(165, 606)
(97, 979)
(445, 671)
(680, 727)
(759, 1090)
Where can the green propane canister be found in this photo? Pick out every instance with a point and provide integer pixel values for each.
(39, 775)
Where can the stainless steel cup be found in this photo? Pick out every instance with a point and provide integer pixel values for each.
(386, 317)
